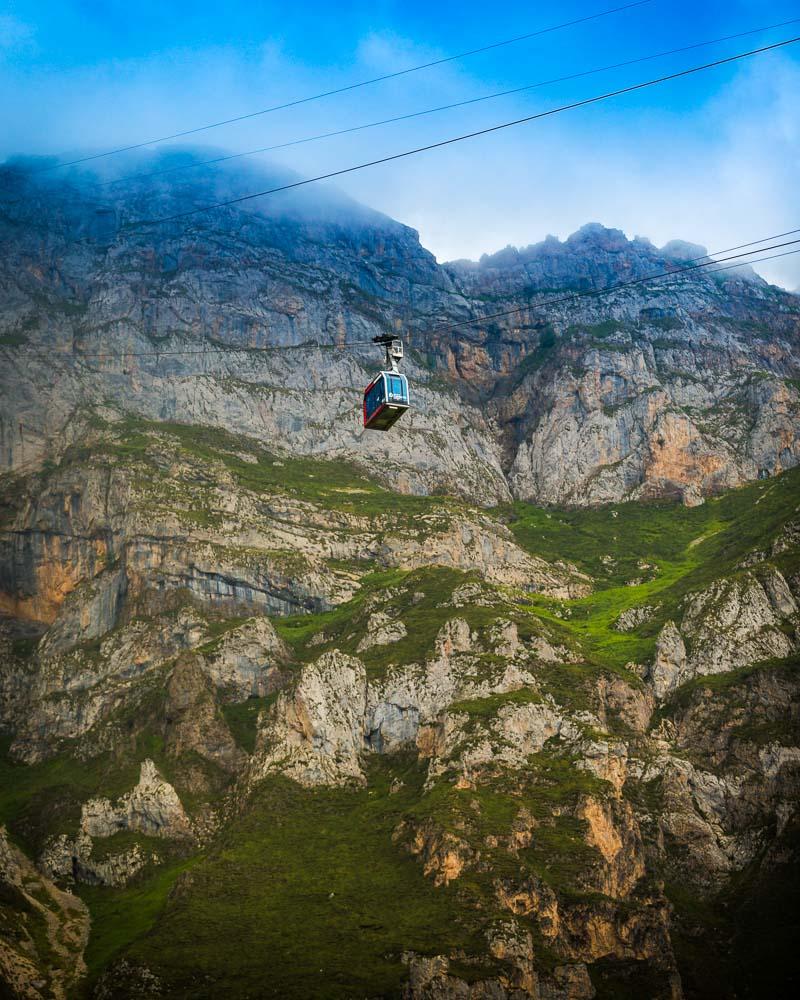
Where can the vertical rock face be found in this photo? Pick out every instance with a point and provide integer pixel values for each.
(193, 721)
(316, 735)
(639, 393)
(669, 666)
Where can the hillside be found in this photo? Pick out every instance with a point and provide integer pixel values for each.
(503, 704)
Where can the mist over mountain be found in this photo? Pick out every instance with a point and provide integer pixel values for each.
(642, 388)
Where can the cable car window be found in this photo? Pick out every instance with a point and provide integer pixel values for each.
(375, 396)
(396, 388)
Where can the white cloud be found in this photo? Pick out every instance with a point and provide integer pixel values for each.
(723, 172)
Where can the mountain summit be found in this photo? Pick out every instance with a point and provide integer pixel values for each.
(679, 387)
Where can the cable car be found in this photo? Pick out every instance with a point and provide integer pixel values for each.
(386, 397)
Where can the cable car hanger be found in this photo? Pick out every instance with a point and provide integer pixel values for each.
(386, 397)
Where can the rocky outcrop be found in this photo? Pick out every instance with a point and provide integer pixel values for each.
(193, 720)
(632, 618)
(432, 979)
(734, 622)
(318, 731)
(668, 670)
(43, 931)
(315, 734)
(586, 933)
(490, 549)
(124, 978)
(70, 859)
(443, 854)
(152, 807)
(382, 630)
(247, 661)
(739, 621)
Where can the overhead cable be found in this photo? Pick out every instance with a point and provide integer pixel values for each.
(469, 135)
(442, 107)
(352, 86)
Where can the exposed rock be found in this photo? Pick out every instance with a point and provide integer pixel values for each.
(632, 618)
(668, 669)
(129, 980)
(43, 931)
(70, 860)
(613, 830)
(193, 718)
(315, 734)
(789, 538)
(504, 638)
(442, 853)
(381, 631)
(454, 637)
(737, 621)
(634, 394)
(632, 705)
(517, 731)
(152, 807)
(248, 660)
(586, 933)
(393, 723)
(471, 593)
(490, 549)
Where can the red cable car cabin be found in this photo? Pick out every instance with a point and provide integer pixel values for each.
(385, 400)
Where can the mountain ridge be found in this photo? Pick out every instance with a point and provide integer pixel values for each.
(618, 373)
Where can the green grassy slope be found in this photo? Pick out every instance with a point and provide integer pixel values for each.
(652, 554)
(303, 896)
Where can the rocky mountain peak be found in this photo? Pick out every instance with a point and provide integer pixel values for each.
(646, 384)
(681, 250)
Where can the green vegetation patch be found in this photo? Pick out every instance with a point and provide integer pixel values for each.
(104, 848)
(43, 799)
(308, 885)
(487, 708)
(719, 685)
(549, 789)
(616, 979)
(242, 719)
(413, 597)
(120, 916)
(651, 553)
(13, 340)
(338, 485)
(421, 600)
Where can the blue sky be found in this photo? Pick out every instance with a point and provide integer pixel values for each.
(714, 158)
